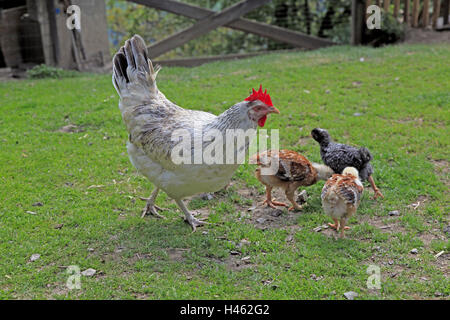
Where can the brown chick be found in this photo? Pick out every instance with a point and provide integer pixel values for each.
(341, 196)
(294, 170)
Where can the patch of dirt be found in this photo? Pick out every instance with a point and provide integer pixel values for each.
(176, 254)
(426, 36)
(441, 168)
(70, 128)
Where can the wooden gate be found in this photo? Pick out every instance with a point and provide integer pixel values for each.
(231, 17)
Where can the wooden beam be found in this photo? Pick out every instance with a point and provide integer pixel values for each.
(196, 61)
(294, 38)
(436, 12)
(415, 13)
(425, 13)
(406, 12)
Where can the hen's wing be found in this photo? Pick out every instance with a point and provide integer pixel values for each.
(151, 119)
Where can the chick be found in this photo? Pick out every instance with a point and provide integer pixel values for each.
(341, 196)
(338, 156)
(293, 171)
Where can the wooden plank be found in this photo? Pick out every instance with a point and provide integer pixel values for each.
(386, 4)
(425, 13)
(295, 38)
(415, 13)
(196, 61)
(358, 14)
(396, 7)
(406, 12)
(436, 12)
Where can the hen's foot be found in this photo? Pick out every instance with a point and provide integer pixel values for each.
(151, 209)
(272, 203)
(194, 223)
(334, 226)
(296, 208)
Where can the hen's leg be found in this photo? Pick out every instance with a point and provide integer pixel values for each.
(189, 218)
(150, 207)
(271, 202)
(375, 189)
(343, 227)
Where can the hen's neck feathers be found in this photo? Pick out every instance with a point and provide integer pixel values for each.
(235, 117)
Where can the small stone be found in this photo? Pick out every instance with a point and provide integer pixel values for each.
(34, 257)
(89, 272)
(394, 213)
(350, 295)
(357, 114)
(58, 226)
(90, 249)
(438, 294)
(276, 212)
(317, 229)
(251, 208)
(414, 251)
(361, 59)
(205, 232)
(261, 220)
(31, 212)
(234, 253)
(390, 262)
(327, 91)
(207, 196)
(37, 204)
(246, 259)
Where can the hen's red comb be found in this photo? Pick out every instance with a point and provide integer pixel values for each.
(261, 96)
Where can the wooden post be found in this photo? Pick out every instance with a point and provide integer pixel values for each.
(446, 10)
(415, 13)
(396, 7)
(436, 11)
(358, 15)
(425, 14)
(386, 4)
(406, 12)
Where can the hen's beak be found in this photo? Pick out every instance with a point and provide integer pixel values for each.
(273, 110)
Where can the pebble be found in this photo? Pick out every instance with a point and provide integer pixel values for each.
(34, 257)
(350, 295)
(261, 220)
(89, 272)
(414, 251)
(394, 213)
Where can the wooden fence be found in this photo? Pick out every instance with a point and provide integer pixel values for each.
(231, 17)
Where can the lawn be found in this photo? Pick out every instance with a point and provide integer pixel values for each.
(72, 196)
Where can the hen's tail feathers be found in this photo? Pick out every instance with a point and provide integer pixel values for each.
(366, 156)
(133, 73)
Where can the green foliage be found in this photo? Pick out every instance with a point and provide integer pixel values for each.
(43, 71)
(87, 184)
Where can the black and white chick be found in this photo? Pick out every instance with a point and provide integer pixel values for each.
(338, 156)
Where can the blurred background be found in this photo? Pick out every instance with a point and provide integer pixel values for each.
(35, 32)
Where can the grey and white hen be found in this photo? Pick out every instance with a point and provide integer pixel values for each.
(338, 156)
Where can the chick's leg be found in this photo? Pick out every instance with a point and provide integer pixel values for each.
(343, 227)
(189, 218)
(150, 207)
(290, 193)
(271, 202)
(335, 225)
(375, 189)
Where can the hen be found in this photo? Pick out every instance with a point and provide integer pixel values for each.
(339, 156)
(294, 170)
(152, 122)
(341, 196)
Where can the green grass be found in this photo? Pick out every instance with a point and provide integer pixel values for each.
(403, 95)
